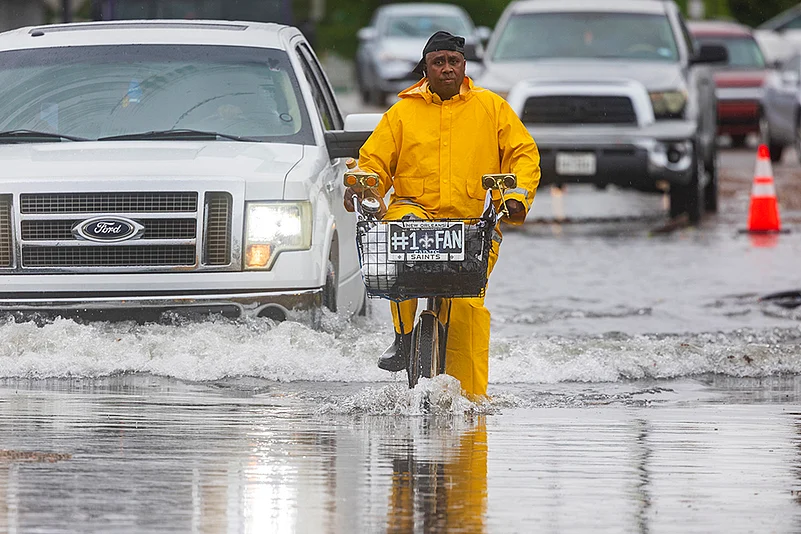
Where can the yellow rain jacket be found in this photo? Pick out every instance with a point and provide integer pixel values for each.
(432, 154)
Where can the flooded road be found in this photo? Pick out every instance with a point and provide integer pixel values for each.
(147, 454)
(637, 381)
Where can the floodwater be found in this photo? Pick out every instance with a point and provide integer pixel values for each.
(637, 381)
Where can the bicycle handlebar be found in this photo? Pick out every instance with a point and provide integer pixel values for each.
(368, 206)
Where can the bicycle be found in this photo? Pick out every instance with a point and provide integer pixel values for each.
(432, 259)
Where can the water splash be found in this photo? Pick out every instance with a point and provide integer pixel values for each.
(615, 356)
(346, 351)
(441, 395)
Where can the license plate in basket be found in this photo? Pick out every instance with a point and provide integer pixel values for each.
(426, 241)
(575, 163)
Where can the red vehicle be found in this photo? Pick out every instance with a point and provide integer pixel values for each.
(739, 83)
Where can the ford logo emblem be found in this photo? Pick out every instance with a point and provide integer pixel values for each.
(107, 229)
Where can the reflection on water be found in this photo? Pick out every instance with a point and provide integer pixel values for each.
(446, 493)
(143, 454)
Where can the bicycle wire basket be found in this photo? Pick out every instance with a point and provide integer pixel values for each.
(397, 280)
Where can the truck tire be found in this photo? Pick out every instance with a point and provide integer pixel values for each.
(738, 141)
(365, 310)
(776, 150)
(711, 188)
(797, 138)
(330, 288)
(689, 198)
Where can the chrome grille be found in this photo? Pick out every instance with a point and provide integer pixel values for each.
(109, 256)
(6, 232)
(59, 230)
(566, 109)
(108, 202)
(218, 229)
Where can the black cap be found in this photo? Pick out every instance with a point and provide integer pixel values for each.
(441, 40)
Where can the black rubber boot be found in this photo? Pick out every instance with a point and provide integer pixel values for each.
(396, 357)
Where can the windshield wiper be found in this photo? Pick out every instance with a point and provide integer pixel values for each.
(32, 136)
(180, 134)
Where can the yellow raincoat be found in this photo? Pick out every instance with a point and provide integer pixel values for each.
(432, 153)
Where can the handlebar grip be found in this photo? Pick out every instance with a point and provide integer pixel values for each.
(499, 181)
(364, 180)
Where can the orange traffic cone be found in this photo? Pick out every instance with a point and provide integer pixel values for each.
(763, 213)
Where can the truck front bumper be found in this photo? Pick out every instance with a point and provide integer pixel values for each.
(300, 305)
(632, 157)
(738, 117)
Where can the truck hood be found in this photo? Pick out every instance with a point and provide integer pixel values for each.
(117, 160)
(655, 76)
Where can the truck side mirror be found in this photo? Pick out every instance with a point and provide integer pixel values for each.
(711, 53)
(366, 34)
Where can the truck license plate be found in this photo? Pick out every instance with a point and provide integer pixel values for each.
(575, 163)
(426, 241)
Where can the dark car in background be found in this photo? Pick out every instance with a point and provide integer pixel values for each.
(390, 47)
(739, 82)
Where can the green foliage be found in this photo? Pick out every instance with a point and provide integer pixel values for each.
(713, 9)
(343, 18)
(755, 12)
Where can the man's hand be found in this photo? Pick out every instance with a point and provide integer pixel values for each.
(360, 194)
(349, 192)
(514, 207)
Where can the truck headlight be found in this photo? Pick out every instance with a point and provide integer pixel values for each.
(275, 227)
(669, 104)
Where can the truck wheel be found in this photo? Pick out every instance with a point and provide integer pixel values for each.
(774, 148)
(689, 198)
(366, 309)
(330, 289)
(776, 151)
(738, 141)
(378, 97)
(711, 189)
(797, 139)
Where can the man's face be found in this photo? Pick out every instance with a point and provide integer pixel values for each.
(445, 71)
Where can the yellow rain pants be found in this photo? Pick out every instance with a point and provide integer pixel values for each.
(467, 356)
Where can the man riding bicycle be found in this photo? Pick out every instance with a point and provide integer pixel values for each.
(432, 147)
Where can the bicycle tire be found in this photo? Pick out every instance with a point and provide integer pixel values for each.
(425, 357)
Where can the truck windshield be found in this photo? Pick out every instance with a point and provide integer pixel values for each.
(422, 26)
(587, 35)
(103, 91)
(743, 51)
(255, 10)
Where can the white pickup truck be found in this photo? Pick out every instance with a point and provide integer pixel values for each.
(172, 166)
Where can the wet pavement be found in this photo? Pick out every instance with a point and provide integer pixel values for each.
(638, 384)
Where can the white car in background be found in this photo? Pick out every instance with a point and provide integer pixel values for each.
(172, 166)
(780, 37)
(390, 47)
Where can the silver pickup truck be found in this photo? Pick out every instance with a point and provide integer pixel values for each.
(613, 93)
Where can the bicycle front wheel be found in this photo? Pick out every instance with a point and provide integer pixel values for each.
(426, 358)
